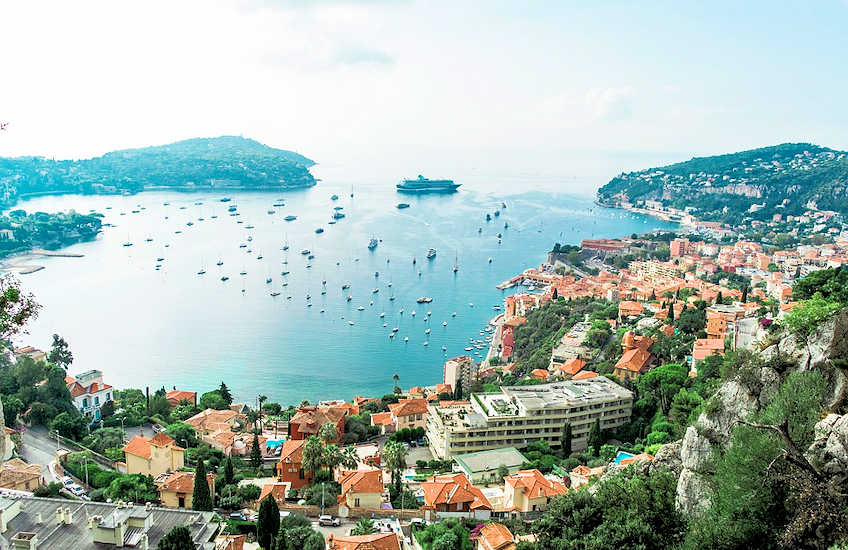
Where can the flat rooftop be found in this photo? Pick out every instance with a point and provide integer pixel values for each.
(569, 392)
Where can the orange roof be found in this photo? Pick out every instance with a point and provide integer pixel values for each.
(175, 396)
(407, 407)
(292, 450)
(451, 489)
(362, 481)
(497, 537)
(443, 388)
(634, 360)
(541, 374)
(534, 485)
(416, 390)
(277, 490)
(140, 445)
(210, 418)
(382, 419)
(584, 374)
(78, 389)
(377, 541)
(181, 482)
(310, 419)
(573, 366)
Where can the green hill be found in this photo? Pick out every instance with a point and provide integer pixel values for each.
(200, 163)
(786, 178)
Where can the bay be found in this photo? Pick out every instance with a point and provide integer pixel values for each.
(172, 327)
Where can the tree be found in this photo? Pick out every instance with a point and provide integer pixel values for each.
(394, 454)
(229, 476)
(328, 433)
(313, 454)
(255, 452)
(178, 538)
(249, 491)
(596, 438)
(225, 394)
(719, 298)
(745, 294)
(349, 459)
(72, 426)
(670, 317)
(503, 472)
(213, 400)
(660, 384)
(397, 389)
(60, 355)
(303, 537)
(132, 488)
(363, 527)
(566, 440)
(12, 407)
(268, 522)
(16, 307)
(457, 394)
(182, 433)
(201, 499)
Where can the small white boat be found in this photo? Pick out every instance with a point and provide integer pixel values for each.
(406, 338)
(395, 329)
(444, 323)
(350, 323)
(453, 314)
(426, 343)
(360, 308)
(427, 331)
(413, 314)
(383, 314)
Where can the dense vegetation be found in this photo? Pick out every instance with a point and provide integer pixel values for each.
(43, 230)
(723, 187)
(227, 161)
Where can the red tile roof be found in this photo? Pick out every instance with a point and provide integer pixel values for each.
(534, 485)
(276, 490)
(452, 489)
(540, 374)
(182, 482)
(378, 541)
(382, 419)
(497, 537)
(310, 419)
(292, 450)
(140, 445)
(361, 481)
(573, 366)
(634, 360)
(407, 407)
(175, 396)
(584, 374)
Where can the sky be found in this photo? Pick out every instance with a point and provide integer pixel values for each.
(529, 83)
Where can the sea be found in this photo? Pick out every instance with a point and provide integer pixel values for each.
(169, 326)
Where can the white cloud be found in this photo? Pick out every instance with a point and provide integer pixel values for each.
(610, 104)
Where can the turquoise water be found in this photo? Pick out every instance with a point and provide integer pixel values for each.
(173, 327)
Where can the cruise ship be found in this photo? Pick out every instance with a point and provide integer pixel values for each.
(425, 185)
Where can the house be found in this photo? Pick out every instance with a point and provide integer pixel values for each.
(584, 374)
(20, 476)
(175, 397)
(495, 536)
(290, 467)
(276, 490)
(636, 358)
(34, 523)
(30, 351)
(704, 347)
(409, 413)
(308, 420)
(377, 541)
(385, 421)
(212, 420)
(539, 374)
(570, 368)
(530, 491)
(176, 490)
(153, 456)
(89, 393)
(361, 489)
(483, 466)
(234, 443)
(581, 475)
(453, 495)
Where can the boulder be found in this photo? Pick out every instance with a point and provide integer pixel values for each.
(696, 451)
(693, 493)
(829, 450)
(734, 403)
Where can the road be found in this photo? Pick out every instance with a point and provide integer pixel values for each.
(39, 448)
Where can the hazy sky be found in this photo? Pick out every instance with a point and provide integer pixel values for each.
(335, 79)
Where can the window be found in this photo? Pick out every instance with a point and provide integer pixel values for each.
(96, 401)
(85, 403)
(300, 474)
(356, 502)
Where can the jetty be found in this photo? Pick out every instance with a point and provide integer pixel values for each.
(55, 253)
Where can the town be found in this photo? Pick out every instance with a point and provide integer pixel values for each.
(597, 365)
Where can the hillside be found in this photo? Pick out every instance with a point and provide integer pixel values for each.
(784, 178)
(200, 163)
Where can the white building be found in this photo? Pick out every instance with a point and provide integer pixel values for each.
(89, 392)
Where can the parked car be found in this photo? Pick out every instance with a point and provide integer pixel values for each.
(66, 481)
(158, 428)
(76, 490)
(236, 516)
(329, 521)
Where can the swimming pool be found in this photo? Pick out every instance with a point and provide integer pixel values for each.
(274, 443)
(622, 455)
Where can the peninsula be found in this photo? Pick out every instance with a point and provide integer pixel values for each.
(226, 162)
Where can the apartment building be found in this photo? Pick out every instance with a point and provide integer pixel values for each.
(519, 415)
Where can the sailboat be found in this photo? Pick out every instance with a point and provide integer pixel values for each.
(456, 263)
(351, 191)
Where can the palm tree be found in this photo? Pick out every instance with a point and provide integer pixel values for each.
(332, 456)
(363, 527)
(313, 453)
(395, 454)
(349, 458)
(328, 432)
(396, 378)
(261, 399)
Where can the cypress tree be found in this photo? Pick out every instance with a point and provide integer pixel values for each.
(268, 523)
(596, 437)
(255, 453)
(201, 499)
(670, 313)
(566, 440)
(719, 298)
(229, 475)
(745, 294)
(457, 394)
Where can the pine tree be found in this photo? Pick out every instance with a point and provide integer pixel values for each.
(229, 475)
(178, 538)
(268, 522)
(255, 453)
(565, 440)
(745, 294)
(596, 438)
(719, 298)
(225, 393)
(670, 313)
(653, 295)
(201, 499)
(555, 294)
(457, 394)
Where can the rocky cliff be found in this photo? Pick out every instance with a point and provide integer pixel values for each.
(748, 392)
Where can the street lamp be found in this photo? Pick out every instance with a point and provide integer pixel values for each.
(85, 459)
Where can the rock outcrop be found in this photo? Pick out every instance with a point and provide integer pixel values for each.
(827, 352)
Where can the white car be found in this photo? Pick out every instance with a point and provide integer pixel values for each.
(76, 490)
(66, 481)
